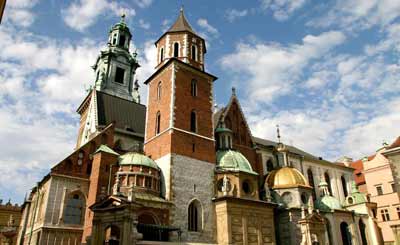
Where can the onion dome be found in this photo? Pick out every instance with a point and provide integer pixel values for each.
(138, 159)
(327, 203)
(356, 197)
(286, 177)
(230, 160)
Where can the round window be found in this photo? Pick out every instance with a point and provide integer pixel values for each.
(350, 200)
(246, 186)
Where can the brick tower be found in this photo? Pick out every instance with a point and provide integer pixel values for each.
(179, 130)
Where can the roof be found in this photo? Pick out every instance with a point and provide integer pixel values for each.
(286, 177)
(126, 114)
(395, 144)
(104, 148)
(181, 24)
(231, 160)
(134, 158)
(327, 203)
(358, 168)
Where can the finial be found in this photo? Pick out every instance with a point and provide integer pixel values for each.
(123, 17)
(233, 91)
(181, 10)
(278, 134)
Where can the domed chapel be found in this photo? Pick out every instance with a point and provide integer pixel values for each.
(180, 170)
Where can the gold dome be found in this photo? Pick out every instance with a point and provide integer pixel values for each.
(286, 177)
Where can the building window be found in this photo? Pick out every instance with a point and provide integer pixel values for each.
(379, 190)
(158, 121)
(385, 215)
(246, 187)
(310, 176)
(194, 216)
(193, 122)
(344, 186)
(269, 165)
(393, 187)
(74, 210)
(328, 181)
(147, 182)
(193, 88)
(121, 40)
(114, 39)
(159, 90)
(194, 53)
(161, 54)
(119, 75)
(398, 212)
(176, 50)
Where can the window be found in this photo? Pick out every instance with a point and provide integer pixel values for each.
(379, 190)
(176, 49)
(311, 183)
(194, 216)
(193, 88)
(269, 165)
(161, 54)
(393, 187)
(121, 40)
(328, 181)
(374, 212)
(114, 39)
(194, 55)
(246, 186)
(158, 121)
(119, 75)
(193, 122)
(344, 186)
(147, 182)
(159, 90)
(74, 210)
(398, 212)
(385, 215)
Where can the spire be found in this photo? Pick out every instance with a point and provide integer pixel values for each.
(278, 134)
(181, 24)
(233, 91)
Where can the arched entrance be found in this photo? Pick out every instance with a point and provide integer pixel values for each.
(151, 229)
(361, 226)
(345, 232)
(112, 235)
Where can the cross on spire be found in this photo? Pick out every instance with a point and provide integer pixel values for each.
(278, 134)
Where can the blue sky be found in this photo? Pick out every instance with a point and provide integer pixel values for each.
(326, 71)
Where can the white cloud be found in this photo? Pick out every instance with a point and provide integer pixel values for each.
(148, 62)
(282, 9)
(143, 3)
(143, 24)
(270, 69)
(203, 23)
(19, 12)
(83, 13)
(233, 14)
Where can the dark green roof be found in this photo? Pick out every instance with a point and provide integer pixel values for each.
(231, 160)
(126, 115)
(134, 158)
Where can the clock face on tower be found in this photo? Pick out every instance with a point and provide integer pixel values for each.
(287, 198)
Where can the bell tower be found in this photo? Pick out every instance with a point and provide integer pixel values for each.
(115, 67)
(179, 129)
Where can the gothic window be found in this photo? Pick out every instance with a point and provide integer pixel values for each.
(311, 183)
(74, 210)
(345, 232)
(344, 186)
(121, 40)
(176, 49)
(158, 121)
(194, 216)
(193, 122)
(328, 181)
(193, 88)
(159, 91)
(362, 227)
(194, 53)
(119, 75)
(161, 54)
(328, 230)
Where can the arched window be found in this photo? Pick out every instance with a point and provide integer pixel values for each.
(328, 181)
(361, 226)
(328, 231)
(161, 54)
(194, 53)
(74, 210)
(158, 121)
(159, 91)
(193, 88)
(269, 165)
(193, 122)
(345, 232)
(310, 176)
(121, 40)
(176, 49)
(344, 186)
(194, 216)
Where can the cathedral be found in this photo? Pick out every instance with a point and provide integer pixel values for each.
(180, 171)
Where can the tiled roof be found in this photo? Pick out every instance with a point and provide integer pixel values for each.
(126, 115)
(181, 24)
(358, 168)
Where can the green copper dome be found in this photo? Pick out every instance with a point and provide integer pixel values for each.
(134, 158)
(327, 203)
(233, 161)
